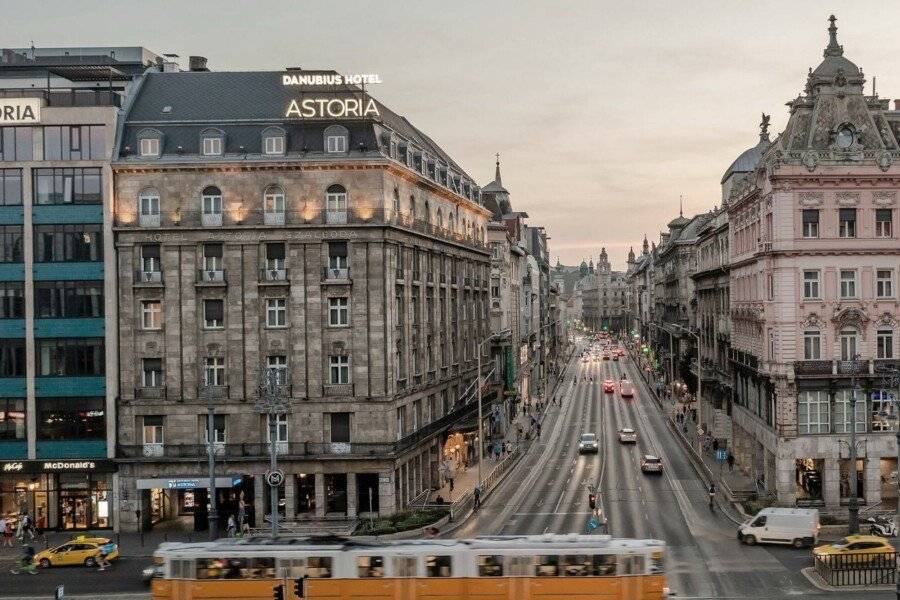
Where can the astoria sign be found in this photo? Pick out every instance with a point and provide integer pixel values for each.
(325, 106)
(14, 111)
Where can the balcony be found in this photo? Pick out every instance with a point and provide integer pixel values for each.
(67, 96)
(149, 220)
(336, 217)
(211, 219)
(150, 393)
(883, 365)
(812, 367)
(338, 389)
(258, 450)
(273, 275)
(215, 392)
(852, 367)
(273, 218)
(340, 274)
(210, 276)
(153, 450)
(148, 277)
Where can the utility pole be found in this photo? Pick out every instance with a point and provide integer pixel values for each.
(273, 402)
(853, 504)
(213, 514)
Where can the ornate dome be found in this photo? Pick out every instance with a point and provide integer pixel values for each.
(835, 62)
(749, 158)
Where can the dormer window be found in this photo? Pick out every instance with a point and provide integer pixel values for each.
(150, 143)
(337, 139)
(273, 141)
(212, 142)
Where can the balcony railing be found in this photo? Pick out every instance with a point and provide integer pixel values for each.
(258, 450)
(335, 274)
(338, 389)
(273, 275)
(273, 218)
(216, 392)
(211, 219)
(147, 276)
(150, 393)
(67, 96)
(853, 367)
(209, 276)
(336, 217)
(149, 220)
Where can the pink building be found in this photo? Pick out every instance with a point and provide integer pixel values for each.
(813, 293)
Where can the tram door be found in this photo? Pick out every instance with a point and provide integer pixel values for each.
(631, 586)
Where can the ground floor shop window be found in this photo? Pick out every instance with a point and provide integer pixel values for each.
(809, 479)
(336, 492)
(888, 471)
(83, 502)
(267, 500)
(367, 492)
(884, 411)
(306, 494)
(58, 501)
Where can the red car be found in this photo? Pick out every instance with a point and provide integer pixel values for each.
(609, 386)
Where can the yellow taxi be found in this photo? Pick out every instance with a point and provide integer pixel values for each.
(81, 550)
(855, 545)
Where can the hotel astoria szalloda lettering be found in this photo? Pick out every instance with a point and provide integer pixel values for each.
(20, 110)
(333, 107)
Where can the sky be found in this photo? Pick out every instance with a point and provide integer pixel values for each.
(604, 112)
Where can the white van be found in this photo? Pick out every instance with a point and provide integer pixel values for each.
(796, 526)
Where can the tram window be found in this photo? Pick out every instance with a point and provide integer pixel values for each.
(656, 562)
(633, 565)
(293, 568)
(234, 568)
(604, 564)
(548, 566)
(318, 566)
(490, 565)
(183, 569)
(369, 566)
(576, 565)
(210, 568)
(262, 568)
(438, 566)
(405, 566)
(520, 566)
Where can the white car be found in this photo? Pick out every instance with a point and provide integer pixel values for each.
(588, 443)
(651, 464)
(627, 436)
(626, 389)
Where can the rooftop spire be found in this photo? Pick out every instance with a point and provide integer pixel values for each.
(680, 205)
(833, 48)
(497, 172)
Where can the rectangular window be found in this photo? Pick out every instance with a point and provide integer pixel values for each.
(336, 143)
(810, 285)
(150, 146)
(276, 366)
(275, 257)
(16, 143)
(214, 371)
(149, 205)
(812, 345)
(884, 283)
(153, 430)
(68, 243)
(438, 566)
(71, 418)
(68, 299)
(150, 259)
(212, 258)
(368, 567)
(884, 343)
(810, 223)
(218, 426)
(338, 311)
(884, 226)
(151, 314)
(11, 249)
(12, 419)
(10, 187)
(71, 357)
(212, 204)
(848, 283)
(212, 146)
(847, 226)
(12, 357)
(813, 412)
(340, 427)
(842, 413)
(74, 142)
(276, 312)
(67, 186)
(339, 370)
(337, 259)
(848, 344)
(273, 144)
(280, 422)
(214, 314)
(152, 373)
(12, 300)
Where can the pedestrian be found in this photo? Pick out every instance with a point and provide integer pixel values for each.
(231, 527)
(715, 444)
(730, 460)
(477, 495)
(451, 482)
(539, 431)
(508, 448)
(105, 550)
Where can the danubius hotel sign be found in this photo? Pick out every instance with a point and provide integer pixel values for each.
(328, 106)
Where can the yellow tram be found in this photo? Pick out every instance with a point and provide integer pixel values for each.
(547, 567)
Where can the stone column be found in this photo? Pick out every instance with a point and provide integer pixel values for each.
(872, 478)
(259, 501)
(320, 495)
(351, 496)
(387, 501)
(831, 483)
(290, 504)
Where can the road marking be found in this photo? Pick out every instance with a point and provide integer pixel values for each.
(537, 514)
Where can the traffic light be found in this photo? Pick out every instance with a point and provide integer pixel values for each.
(298, 588)
(592, 501)
(278, 592)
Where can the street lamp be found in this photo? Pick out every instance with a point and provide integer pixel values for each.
(499, 335)
(853, 503)
(699, 366)
(273, 402)
(212, 514)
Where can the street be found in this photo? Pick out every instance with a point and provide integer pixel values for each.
(124, 578)
(547, 493)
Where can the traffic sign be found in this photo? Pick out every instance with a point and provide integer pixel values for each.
(721, 455)
(275, 478)
(699, 430)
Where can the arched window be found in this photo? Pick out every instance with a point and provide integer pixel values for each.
(396, 205)
(337, 139)
(273, 205)
(336, 204)
(273, 140)
(413, 209)
(211, 206)
(427, 214)
(451, 223)
(848, 340)
(148, 208)
(212, 142)
(439, 218)
(150, 143)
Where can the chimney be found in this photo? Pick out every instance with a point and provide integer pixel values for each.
(896, 104)
(197, 63)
